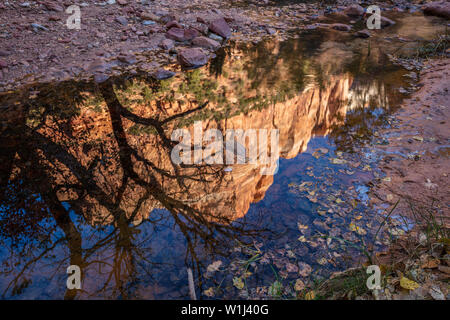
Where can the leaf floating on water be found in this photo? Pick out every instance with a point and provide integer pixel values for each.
(238, 283)
(338, 161)
(304, 269)
(408, 284)
(321, 212)
(302, 239)
(213, 267)
(339, 200)
(418, 138)
(322, 261)
(310, 295)
(299, 285)
(290, 267)
(209, 292)
(301, 226)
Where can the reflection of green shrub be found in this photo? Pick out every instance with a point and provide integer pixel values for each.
(138, 129)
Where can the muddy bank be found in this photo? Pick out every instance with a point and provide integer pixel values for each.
(416, 161)
(37, 46)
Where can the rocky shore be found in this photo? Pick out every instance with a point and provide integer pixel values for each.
(36, 44)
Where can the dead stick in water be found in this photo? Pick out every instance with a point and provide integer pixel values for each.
(191, 284)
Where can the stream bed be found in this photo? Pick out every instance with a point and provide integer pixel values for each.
(86, 176)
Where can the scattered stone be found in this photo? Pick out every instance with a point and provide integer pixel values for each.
(25, 5)
(100, 77)
(149, 16)
(215, 37)
(122, 20)
(190, 34)
(129, 59)
(271, 31)
(162, 74)
(54, 18)
(207, 43)
(51, 6)
(220, 27)
(363, 33)
(122, 2)
(3, 64)
(37, 26)
(438, 8)
(167, 44)
(192, 57)
(172, 24)
(181, 35)
(4, 53)
(341, 27)
(148, 22)
(386, 22)
(354, 10)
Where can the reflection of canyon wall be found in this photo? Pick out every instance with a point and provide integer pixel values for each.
(212, 191)
(90, 138)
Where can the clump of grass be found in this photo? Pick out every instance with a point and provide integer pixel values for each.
(434, 48)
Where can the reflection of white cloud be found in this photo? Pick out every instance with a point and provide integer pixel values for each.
(361, 95)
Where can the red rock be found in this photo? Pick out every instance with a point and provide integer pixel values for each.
(207, 43)
(173, 23)
(122, 20)
(176, 34)
(53, 7)
(190, 34)
(167, 44)
(54, 18)
(363, 33)
(341, 27)
(162, 74)
(181, 34)
(220, 27)
(439, 9)
(354, 10)
(192, 57)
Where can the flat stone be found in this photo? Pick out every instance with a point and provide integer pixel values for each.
(220, 27)
(192, 57)
(100, 77)
(386, 22)
(205, 42)
(129, 59)
(53, 6)
(122, 20)
(182, 35)
(355, 10)
(172, 24)
(167, 44)
(162, 74)
(3, 64)
(363, 33)
(341, 27)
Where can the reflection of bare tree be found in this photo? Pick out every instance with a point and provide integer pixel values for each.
(56, 170)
